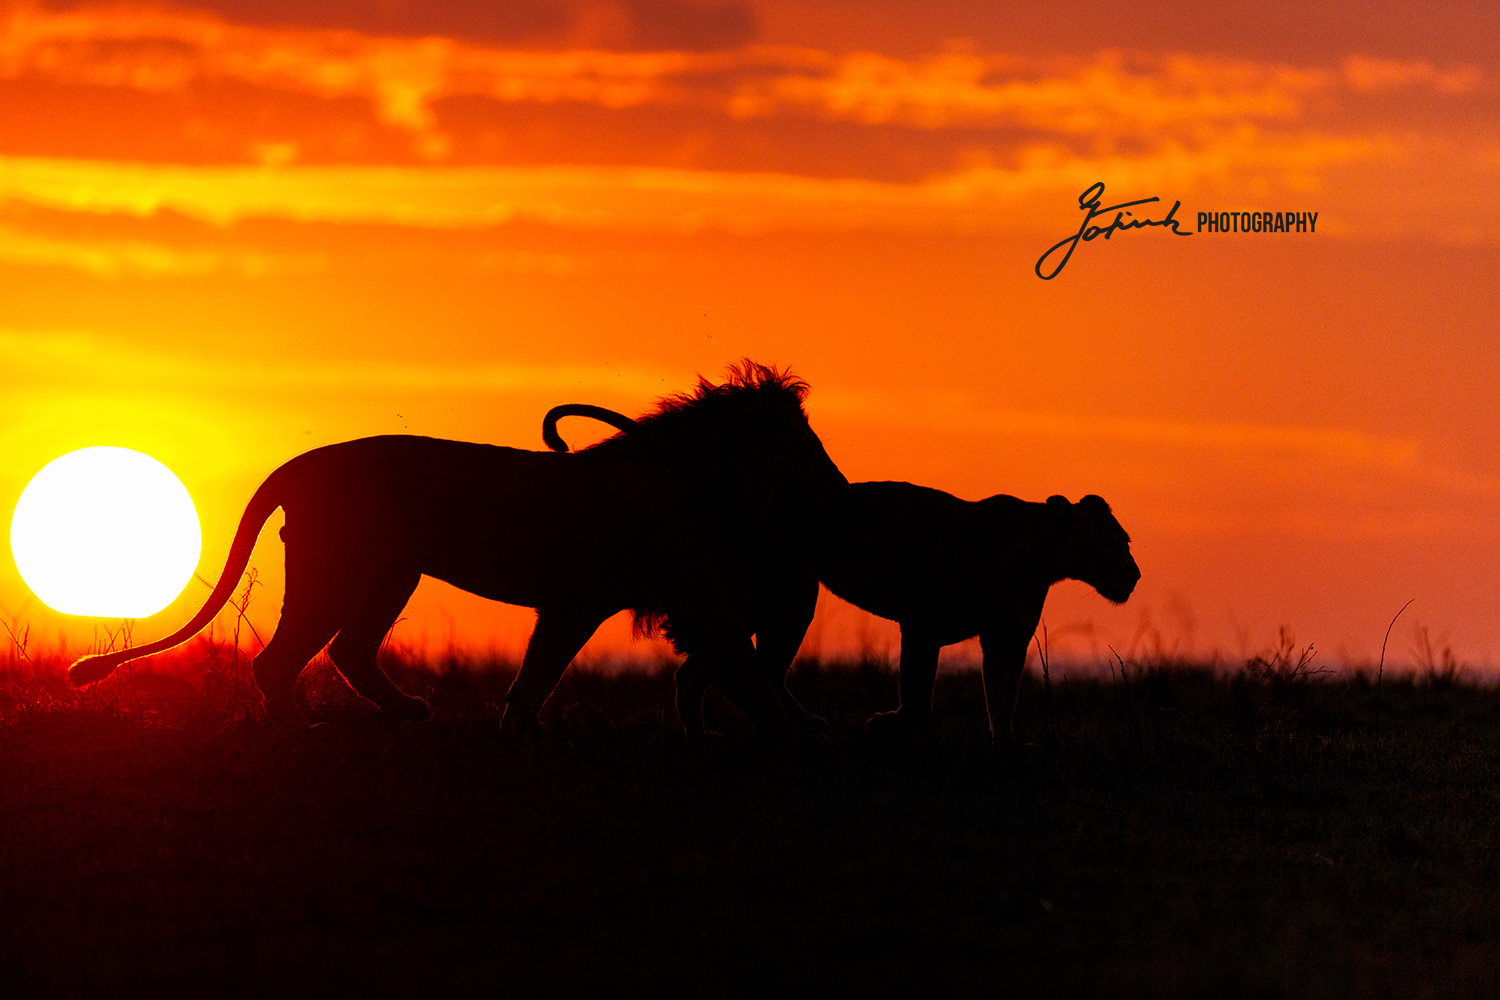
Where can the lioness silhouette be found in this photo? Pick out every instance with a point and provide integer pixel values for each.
(943, 568)
(663, 521)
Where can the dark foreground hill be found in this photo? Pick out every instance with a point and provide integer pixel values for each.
(1177, 833)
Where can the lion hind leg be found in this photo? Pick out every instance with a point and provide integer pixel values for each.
(776, 645)
(356, 651)
(557, 638)
(297, 640)
(692, 685)
(735, 669)
(326, 583)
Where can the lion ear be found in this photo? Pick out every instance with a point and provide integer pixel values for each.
(1059, 509)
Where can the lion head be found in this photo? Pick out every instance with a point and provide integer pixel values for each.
(759, 480)
(744, 449)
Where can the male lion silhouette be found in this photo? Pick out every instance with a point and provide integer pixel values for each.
(661, 521)
(945, 569)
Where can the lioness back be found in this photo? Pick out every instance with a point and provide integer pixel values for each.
(882, 547)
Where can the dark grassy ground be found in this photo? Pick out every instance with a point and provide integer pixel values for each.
(1174, 834)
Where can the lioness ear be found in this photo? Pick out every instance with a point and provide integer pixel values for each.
(1059, 509)
(1094, 500)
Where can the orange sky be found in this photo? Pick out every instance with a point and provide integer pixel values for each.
(234, 230)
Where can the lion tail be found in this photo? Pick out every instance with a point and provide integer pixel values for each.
(92, 668)
(549, 422)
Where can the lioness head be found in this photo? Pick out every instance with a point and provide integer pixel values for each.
(1092, 546)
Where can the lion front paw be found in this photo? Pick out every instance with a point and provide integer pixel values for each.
(414, 710)
(285, 715)
(886, 726)
(813, 725)
(515, 728)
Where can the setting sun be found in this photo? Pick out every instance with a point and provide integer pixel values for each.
(106, 532)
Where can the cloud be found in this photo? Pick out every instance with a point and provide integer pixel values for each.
(1340, 458)
(655, 199)
(509, 22)
(104, 258)
(1028, 134)
(1370, 75)
(164, 51)
(31, 357)
(958, 414)
(60, 389)
(688, 24)
(1111, 93)
(35, 357)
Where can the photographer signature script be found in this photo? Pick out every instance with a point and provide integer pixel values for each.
(1089, 202)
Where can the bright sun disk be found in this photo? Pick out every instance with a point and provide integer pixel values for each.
(106, 532)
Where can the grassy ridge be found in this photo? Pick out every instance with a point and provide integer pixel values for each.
(1164, 834)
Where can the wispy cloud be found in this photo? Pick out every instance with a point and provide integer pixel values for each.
(959, 414)
(34, 357)
(158, 50)
(1035, 132)
(1344, 458)
(653, 199)
(1110, 93)
(29, 357)
(161, 51)
(106, 258)
(1368, 75)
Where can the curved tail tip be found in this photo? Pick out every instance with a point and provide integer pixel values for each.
(90, 669)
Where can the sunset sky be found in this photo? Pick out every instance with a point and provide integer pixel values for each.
(233, 230)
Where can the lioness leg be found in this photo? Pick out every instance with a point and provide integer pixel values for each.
(356, 651)
(919, 658)
(1004, 644)
(1004, 663)
(557, 638)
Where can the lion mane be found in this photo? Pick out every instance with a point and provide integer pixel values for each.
(663, 520)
